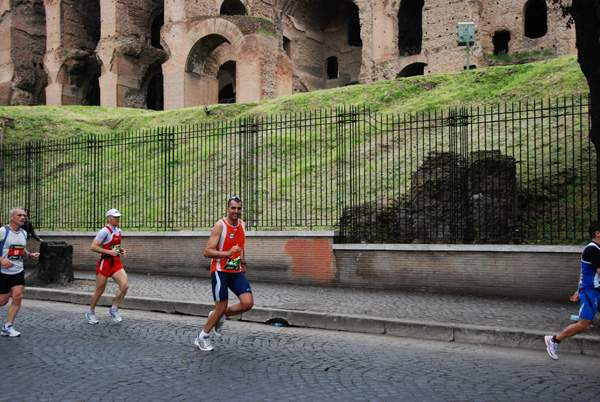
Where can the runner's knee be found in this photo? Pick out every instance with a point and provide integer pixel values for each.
(17, 298)
(585, 325)
(247, 304)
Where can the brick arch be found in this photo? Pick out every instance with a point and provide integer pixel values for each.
(208, 36)
(216, 26)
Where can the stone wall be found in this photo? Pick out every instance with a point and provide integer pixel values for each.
(22, 49)
(134, 53)
(297, 258)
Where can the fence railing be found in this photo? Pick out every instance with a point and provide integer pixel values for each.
(523, 172)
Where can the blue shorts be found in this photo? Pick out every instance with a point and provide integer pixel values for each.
(589, 304)
(236, 281)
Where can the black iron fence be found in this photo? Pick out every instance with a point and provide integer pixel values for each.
(523, 172)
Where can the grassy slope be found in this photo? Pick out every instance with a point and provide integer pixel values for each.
(545, 79)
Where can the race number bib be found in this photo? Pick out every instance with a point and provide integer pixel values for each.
(234, 264)
(16, 252)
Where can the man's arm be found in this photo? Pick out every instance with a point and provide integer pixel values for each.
(35, 235)
(97, 247)
(33, 256)
(210, 251)
(575, 297)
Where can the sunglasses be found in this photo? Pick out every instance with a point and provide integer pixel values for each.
(234, 198)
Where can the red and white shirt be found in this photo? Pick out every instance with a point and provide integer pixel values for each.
(230, 236)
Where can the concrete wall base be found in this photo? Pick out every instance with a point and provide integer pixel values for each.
(313, 258)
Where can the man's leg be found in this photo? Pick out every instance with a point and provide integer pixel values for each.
(100, 286)
(4, 299)
(574, 329)
(245, 304)
(213, 318)
(123, 281)
(15, 306)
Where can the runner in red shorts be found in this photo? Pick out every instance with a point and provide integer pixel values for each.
(108, 243)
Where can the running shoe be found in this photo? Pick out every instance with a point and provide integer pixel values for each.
(91, 317)
(218, 326)
(203, 344)
(115, 315)
(10, 331)
(551, 347)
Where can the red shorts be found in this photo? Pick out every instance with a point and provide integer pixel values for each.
(108, 266)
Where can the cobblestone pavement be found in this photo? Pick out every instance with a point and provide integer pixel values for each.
(493, 312)
(150, 356)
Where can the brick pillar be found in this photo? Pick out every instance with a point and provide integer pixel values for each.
(285, 75)
(383, 29)
(106, 51)
(175, 36)
(174, 11)
(257, 75)
(7, 67)
(54, 57)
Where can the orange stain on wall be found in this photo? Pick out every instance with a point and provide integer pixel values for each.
(311, 259)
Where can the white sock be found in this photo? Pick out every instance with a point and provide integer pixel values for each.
(223, 318)
(113, 308)
(203, 334)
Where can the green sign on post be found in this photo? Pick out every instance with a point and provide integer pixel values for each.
(466, 37)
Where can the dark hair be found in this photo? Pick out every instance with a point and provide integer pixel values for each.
(594, 227)
(234, 198)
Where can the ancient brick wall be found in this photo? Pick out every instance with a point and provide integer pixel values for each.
(132, 52)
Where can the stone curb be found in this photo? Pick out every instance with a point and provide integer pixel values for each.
(480, 335)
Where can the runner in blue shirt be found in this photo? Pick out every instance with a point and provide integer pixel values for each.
(588, 293)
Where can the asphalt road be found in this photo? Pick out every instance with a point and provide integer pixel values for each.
(151, 356)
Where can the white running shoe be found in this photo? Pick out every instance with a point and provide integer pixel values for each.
(115, 315)
(91, 317)
(203, 344)
(551, 347)
(218, 326)
(10, 331)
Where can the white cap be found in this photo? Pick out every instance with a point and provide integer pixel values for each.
(113, 212)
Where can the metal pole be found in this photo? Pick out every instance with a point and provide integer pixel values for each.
(468, 62)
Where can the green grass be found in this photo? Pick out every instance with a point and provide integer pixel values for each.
(545, 79)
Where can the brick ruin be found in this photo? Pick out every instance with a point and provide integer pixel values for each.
(168, 54)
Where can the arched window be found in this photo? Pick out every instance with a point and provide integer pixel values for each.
(410, 27)
(501, 39)
(354, 29)
(332, 68)
(233, 7)
(155, 97)
(287, 46)
(226, 78)
(536, 19)
(157, 24)
(92, 94)
(412, 70)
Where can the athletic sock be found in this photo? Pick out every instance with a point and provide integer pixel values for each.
(555, 340)
(223, 318)
(203, 334)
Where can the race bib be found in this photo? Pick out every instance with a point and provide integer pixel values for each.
(234, 264)
(16, 252)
